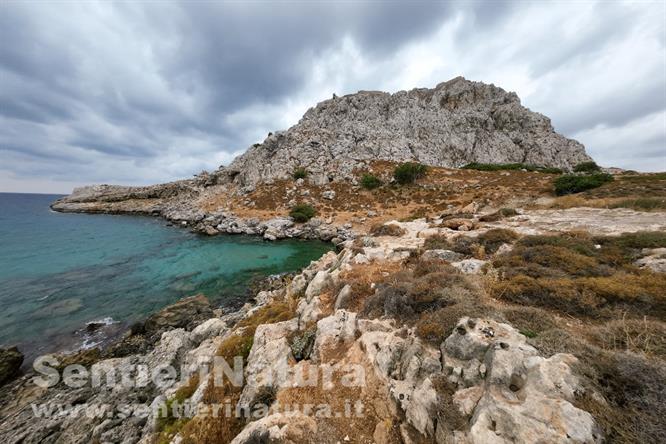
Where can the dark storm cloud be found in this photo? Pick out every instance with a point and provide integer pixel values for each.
(140, 92)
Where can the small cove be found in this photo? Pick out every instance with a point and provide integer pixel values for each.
(61, 271)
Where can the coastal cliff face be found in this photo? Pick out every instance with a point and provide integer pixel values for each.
(453, 124)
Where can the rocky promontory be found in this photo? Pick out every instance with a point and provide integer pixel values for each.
(453, 124)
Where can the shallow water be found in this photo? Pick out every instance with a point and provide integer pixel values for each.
(60, 271)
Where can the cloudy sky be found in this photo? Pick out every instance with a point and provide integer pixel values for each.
(143, 92)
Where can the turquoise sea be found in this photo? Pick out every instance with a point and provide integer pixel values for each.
(61, 271)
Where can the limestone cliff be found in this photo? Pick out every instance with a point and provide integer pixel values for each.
(455, 123)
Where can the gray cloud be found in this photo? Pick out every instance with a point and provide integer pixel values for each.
(139, 92)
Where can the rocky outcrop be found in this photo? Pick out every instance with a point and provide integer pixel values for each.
(509, 392)
(455, 123)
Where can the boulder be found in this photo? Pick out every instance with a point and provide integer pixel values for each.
(333, 332)
(343, 298)
(447, 255)
(321, 280)
(513, 394)
(207, 329)
(268, 363)
(470, 266)
(278, 428)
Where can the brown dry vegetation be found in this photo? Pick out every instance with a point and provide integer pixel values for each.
(480, 247)
(644, 192)
(565, 294)
(571, 293)
(583, 276)
(222, 429)
(437, 192)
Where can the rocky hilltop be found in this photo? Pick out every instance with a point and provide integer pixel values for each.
(455, 123)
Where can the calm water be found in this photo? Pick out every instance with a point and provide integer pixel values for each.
(60, 271)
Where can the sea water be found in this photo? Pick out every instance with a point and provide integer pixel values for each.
(61, 271)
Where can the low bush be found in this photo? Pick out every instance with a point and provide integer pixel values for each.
(641, 203)
(425, 286)
(630, 389)
(635, 241)
(409, 172)
(435, 326)
(302, 342)
(560, 261)
(597, 297)
(386, 230)
(437, 242)
(300, 173)
(530, 321)
(635, 335)
(370, 182)
(511, 166)
(587, 167)
(491, 240)
(302, 212)
(499, 215)
(559, 294)
(487, 242)
(573, 183)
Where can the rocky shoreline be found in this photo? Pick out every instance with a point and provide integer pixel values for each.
(221, 222)
(498, 384)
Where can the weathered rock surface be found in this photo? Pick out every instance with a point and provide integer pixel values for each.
(455, 123)
(510, 393)
(654, 259)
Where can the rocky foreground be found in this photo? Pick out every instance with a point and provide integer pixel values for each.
(444, 356)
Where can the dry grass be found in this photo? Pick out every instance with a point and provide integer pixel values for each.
(571, 273)
(331, 429)
(433, 194)
(636, 335)
(222, 429)
(481, 247)
(362, 279)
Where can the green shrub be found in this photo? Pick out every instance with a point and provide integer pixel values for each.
(510, 166)
(370, 182)
(302, 212)
(572, 183)
(587, 167)
(409, 172)
(300, 173)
